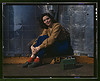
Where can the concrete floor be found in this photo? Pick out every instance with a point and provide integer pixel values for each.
(47, 70)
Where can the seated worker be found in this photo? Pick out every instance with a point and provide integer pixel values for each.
(54, 39)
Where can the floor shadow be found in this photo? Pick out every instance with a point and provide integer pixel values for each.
(78, 65)
(68, 67)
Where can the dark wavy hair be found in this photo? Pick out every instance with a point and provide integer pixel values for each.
(42, 24)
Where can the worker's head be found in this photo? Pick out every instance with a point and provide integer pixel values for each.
(46, 20)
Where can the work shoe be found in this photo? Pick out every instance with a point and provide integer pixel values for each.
(26, 64)
(34, 65)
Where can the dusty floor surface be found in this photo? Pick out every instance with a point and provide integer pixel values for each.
(47, 70)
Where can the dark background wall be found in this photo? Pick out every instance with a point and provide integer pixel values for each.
(20, 26)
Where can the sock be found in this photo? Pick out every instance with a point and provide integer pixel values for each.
(30, 60)
(37, 59)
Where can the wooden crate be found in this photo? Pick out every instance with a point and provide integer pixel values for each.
(84, 59)
(21, 60)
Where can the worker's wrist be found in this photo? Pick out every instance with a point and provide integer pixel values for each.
(38, 48)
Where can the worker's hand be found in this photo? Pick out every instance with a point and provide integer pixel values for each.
(35, 50)
(32, 48)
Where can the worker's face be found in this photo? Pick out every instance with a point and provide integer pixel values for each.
(47, 20)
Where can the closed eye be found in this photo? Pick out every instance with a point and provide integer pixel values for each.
(46, 19)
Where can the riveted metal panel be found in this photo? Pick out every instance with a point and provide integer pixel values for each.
(20, 25)
(79, 21)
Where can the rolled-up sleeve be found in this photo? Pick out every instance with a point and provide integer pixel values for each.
(55, 32)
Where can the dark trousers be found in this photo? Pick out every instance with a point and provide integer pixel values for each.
(57, 48)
